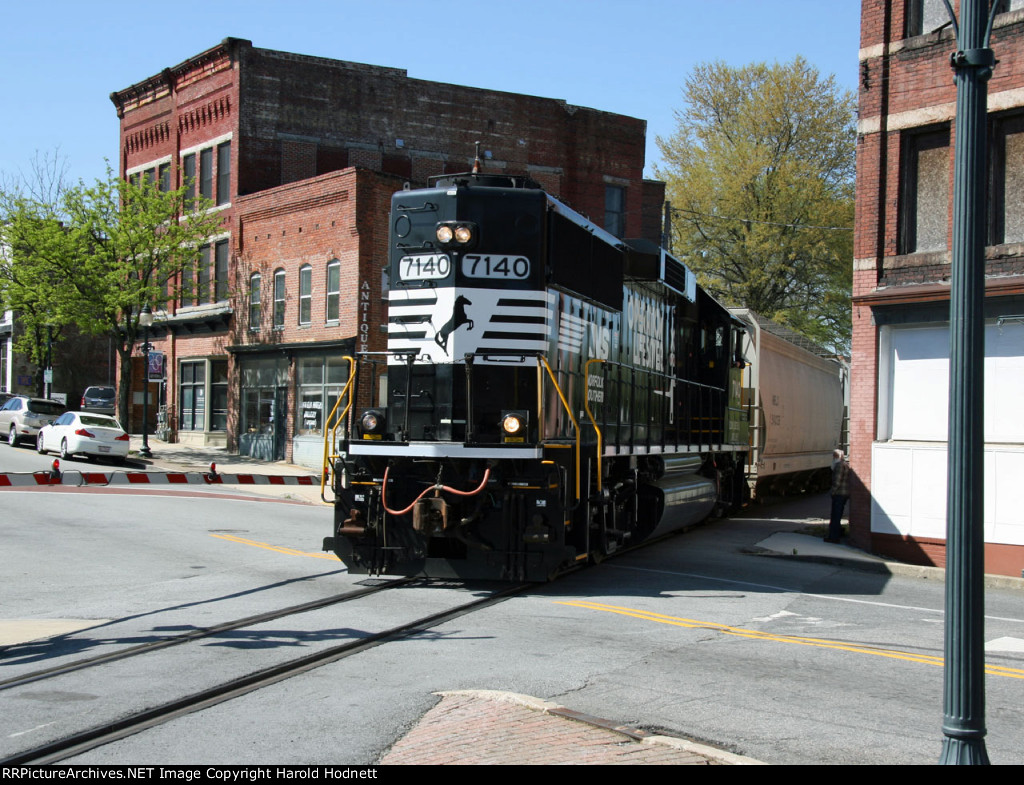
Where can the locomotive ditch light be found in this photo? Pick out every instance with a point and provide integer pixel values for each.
(513, 426)
(373, 424)
(457, 234)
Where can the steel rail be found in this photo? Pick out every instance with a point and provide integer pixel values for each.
(86, 740)
(198, 634)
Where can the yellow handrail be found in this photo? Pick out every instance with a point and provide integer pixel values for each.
(568, 410)
(330, 431)
(586, 405)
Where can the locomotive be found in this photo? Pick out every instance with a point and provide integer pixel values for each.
(549, 394)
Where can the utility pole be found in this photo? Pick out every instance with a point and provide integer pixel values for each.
(964, 675)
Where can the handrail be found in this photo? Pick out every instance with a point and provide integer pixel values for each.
(688, 389)
(568, 410)
(590, 414)
(329, 434)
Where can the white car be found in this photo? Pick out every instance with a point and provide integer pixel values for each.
(81, 432)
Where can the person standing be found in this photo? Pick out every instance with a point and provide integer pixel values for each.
(840, 494)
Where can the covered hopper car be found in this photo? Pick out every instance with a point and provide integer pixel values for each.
(795, 392)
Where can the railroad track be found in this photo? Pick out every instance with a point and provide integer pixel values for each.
(197, 634)
(82, 741)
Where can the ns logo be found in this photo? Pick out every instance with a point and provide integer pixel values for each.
(600, 340)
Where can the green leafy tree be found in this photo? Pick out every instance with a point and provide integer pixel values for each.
(760, 176)
(98, 254)
(28, 203)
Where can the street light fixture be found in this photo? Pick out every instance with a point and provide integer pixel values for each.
(145, 322)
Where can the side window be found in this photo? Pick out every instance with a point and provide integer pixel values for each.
(925, 16)
(333, 291)
(305, 294)
(279, 299)
(924, 216)
(254, 302)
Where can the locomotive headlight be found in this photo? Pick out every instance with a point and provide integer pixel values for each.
(513, 425)
(456, 234)
(373, 423)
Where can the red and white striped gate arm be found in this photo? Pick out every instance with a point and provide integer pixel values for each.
(79, 479)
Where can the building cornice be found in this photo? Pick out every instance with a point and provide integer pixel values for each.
(1005, 286)
(165, 82)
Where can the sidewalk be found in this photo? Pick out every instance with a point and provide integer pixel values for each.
(184, 458)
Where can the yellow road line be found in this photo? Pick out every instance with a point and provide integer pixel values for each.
(269, 547)
(660, 618)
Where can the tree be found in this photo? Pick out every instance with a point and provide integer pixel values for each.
(98, 254)
(760, 176)
(29, 199)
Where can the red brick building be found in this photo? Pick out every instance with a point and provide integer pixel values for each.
(300, 155)
(900, 353)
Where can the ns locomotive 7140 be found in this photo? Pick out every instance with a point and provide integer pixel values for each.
(549, 393)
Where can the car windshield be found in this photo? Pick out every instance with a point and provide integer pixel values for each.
(99, 422)
(100, 392)
(45, 407)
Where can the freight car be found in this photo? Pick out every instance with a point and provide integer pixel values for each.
(794, 391)
(549, 394)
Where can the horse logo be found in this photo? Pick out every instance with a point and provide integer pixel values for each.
(458, 319)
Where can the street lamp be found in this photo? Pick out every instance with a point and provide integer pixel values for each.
(145, 322)
(964, 675)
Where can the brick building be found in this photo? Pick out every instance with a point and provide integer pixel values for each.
(900, 350)
(300, 155)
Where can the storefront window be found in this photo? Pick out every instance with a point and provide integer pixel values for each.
(192, 396)
(320, 382)
(218, 395)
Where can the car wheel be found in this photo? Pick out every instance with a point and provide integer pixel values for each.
(64, 449)
(39, 444)
(12, 437)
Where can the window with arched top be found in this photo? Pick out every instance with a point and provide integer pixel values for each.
(255, 314)
(333, 290)
(305, 294)
(279, 290)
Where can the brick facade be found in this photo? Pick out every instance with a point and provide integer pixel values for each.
(315, 147)
(907, 91)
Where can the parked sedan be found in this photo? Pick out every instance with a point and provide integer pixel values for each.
(76, 433)
(22, 417)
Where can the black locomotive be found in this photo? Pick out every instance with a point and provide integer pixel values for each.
(549, 393)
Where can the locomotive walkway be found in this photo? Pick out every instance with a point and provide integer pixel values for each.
(490, 727)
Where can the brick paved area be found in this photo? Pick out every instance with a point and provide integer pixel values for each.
(482, 727)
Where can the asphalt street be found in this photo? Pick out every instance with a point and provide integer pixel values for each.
(748, 634)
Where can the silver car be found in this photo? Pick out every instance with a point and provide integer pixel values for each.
(22, 417)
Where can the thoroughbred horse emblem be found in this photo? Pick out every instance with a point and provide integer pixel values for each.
(458, 319)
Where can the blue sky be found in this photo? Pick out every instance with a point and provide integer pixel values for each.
(61, 59)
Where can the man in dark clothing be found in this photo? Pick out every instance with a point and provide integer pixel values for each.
(840, 493)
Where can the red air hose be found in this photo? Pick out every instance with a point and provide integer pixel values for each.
(456, 491)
